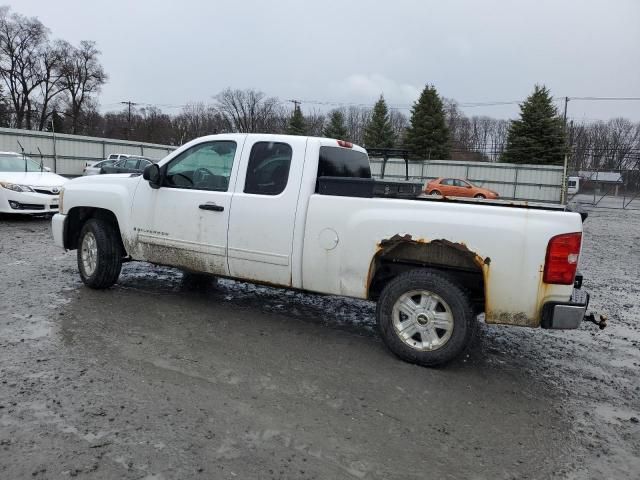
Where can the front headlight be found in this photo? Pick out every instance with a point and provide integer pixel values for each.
(15, 187)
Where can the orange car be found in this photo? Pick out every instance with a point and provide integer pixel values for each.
(454, 187)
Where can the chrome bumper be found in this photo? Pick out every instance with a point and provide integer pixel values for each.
(565, 315)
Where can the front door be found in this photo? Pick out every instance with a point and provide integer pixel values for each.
(184, 222)
(263, 210)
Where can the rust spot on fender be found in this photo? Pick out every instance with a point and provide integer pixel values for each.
(440, 252)
(519, 319)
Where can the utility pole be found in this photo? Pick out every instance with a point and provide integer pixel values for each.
(130, 104)
(296, 104)
(563, 191)
(53, 133)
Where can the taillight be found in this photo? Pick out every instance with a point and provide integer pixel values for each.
(562, 258)
(345, 144)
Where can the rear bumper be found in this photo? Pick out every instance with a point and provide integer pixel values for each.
(58, 225)
(565, 315)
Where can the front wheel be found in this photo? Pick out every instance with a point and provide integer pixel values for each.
(480, 196)
(435, 193)
(424, 317)
(99, 254)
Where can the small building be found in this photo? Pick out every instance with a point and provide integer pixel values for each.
(600, 180)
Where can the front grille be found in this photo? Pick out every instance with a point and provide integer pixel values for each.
(46, 190)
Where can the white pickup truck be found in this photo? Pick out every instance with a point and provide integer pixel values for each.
(300, 212)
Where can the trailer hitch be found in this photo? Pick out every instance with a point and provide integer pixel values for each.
(602, 323)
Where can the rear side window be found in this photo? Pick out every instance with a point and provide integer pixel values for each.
(343, 162)
(131, 163)
(268, 169)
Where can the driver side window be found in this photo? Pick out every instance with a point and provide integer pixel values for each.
(206, 166)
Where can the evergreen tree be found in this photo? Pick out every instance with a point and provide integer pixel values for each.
(378, 133)
(538, 137)
(428, 134)
(336, 127)
(297, 124)
(55, 123)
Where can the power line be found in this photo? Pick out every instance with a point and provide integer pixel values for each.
(606, 98)
(392, 106)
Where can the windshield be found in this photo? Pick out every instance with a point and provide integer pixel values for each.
(16, 163)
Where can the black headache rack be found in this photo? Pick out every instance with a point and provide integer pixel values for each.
(367, 188)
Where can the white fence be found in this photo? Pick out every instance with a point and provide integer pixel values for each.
(541, 183)
(67, 154)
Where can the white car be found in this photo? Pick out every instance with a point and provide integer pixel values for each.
(93, 168)
(27, 188)
(573, 185)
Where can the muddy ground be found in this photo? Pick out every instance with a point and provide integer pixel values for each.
(153, 380)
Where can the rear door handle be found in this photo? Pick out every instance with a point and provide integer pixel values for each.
(211, 206)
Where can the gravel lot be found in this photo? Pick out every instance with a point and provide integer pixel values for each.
(153, 380)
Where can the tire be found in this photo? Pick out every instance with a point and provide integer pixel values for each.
(435, 192)
(451, 318)
(102, 239)
(479, 195)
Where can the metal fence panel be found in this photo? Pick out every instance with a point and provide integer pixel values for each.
(542, 183)
(71, 152)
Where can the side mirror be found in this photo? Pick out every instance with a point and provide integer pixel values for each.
(153, 175)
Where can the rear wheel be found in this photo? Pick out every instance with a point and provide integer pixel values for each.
(479, 195)
(435, 192)
(424, 317)
(99, 254)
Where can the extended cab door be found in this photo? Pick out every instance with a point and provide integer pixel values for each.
(184, 222)
(263, 209)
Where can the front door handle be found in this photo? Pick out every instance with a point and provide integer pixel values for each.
(211, 206)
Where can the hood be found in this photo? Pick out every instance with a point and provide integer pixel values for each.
(103, 178)
(33, 179)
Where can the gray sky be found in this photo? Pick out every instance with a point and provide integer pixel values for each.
(172, 52)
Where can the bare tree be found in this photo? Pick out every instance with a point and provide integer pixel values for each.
(82, 76)
(196, 120)
(356, 119)
(89, 120)
(247, 111)
(399, 124)
(51, 59)
(21, 42)
(499, 135)
(315, 122)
